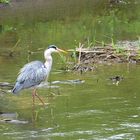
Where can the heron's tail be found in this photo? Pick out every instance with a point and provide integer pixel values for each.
(17, 88)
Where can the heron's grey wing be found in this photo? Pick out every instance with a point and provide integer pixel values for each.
(30, 75)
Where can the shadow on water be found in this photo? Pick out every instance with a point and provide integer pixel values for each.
(92, 107)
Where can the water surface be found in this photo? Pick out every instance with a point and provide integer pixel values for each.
(95, 109)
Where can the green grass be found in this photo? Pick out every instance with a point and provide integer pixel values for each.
(4, 1)
(70, 31)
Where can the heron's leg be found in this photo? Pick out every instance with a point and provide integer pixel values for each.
(39, 98)
(33, 96)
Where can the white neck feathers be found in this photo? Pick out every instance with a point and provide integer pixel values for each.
(48, 59)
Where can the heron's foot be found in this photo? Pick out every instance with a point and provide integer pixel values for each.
(52, 93)
(40, 99)
(34, 94)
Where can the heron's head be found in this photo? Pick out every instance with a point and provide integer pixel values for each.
(53, 48)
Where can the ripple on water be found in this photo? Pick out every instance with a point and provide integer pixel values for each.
(131, 125)
(47, 133)
(86, 113)
(126, 136)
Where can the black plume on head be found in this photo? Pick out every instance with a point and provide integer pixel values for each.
(52, 46)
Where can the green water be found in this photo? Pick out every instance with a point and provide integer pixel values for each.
(95, 109)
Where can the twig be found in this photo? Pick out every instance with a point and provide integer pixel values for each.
(80, 50)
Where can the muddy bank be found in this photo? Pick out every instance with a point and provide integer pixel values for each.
(122, 52)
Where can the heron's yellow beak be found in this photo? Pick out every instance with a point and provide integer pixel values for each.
(60, 50)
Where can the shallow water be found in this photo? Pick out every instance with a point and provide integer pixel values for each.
(95, 109)
(87, 106)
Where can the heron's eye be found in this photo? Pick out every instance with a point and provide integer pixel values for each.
(52, 46)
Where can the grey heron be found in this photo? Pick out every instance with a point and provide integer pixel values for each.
(33, 73)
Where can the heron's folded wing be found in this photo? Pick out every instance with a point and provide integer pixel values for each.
(32, 74)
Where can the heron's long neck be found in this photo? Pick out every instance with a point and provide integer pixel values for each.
(48, 62)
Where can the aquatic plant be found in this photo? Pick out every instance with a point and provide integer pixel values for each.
(64, 62)
(4, 1)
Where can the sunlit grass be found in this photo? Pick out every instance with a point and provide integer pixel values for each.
(4, 1)
(68, 32)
